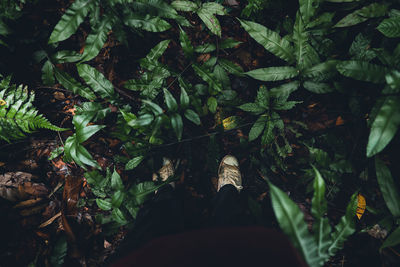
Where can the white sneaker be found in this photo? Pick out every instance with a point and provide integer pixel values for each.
(229, 173)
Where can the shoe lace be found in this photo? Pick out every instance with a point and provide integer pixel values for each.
(231, 175)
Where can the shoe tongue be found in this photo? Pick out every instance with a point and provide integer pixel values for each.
(231, 161)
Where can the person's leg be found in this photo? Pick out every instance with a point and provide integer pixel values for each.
(227, 209)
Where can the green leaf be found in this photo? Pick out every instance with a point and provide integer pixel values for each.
(97, 38)
(271, 40)
(104, 204)
(345, 227)
(390, 27)
(208, 77)
(133, 163)
(388, 187)
(205, 48)
(385, 126)
(214, 8)
(48, 73)
(230, 67)
(141, 121)
(71, 20)
(192, 116)
(170, 101)
(268, 135)
(71, 84)
(184, 98)
(118, 216)
(156, 109)
(177, 125)
(257, 128)
(186, 45)
(308, 9)
(117, 198)
(210, 20)
(212, 104)
(393, 239)
(305, 54)
(371, 11)
(321, 226)
(393, 80)
(273, 73)
(323, 69)
(229, 43)
(59, 252)
(362, 71)
(141, 191)
(182, 5)
(291, 221)
(318, 88)
(66, 56)
(73, 150)
(116, 182)
(252, 107)
(96, 81)
(157, 51)
(220, 74)
(147, 22)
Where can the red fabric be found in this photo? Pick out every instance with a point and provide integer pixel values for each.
(240, 246)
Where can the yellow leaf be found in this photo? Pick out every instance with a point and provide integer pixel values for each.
(361, 204)
(230, 122)
(2, 102)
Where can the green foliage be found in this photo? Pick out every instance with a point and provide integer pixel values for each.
(18, 116)
(316, 248)
(59, 252)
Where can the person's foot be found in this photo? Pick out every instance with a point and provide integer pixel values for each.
(229, 173)
(165, 172)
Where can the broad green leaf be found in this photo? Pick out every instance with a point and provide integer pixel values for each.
(273, 74)
(143, 120)
(385, 126)
(183, 5)
(66, 56)
(96, 81)
(118, 216)
(71, 84)
(271, 40)
(308, 8)
(192, 116)
(393, 80)
(104, 204)
(212, 104)
(318, 88)
(177, 125)
(157, 51)
(321, 226)
(205, 48)
(170, 101)
(73, 150)
(186, 45)
(291, 221)
(141, 191)
(230, 67)
(323, 69)
(229, 43)
(156, 109)
(133, 163)
(393, 239)
(208, 77)
(257, 128)
(252, 107)
(220, 74)
(390, 27)
(84, 133)
(116, 181)
(362, 71)
(184, 100)
(282, 92)
(96, 39)
(147, 23)
(345, 227)
(371, 11)
(71, 20)
(117, 198)
(214, 8)
(305, 54)
(388, 187)
(48, 73)
(210, 21)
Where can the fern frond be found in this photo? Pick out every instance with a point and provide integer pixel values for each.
(18, 116)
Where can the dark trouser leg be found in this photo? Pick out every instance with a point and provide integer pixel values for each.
(227, 208)
(162, 215)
